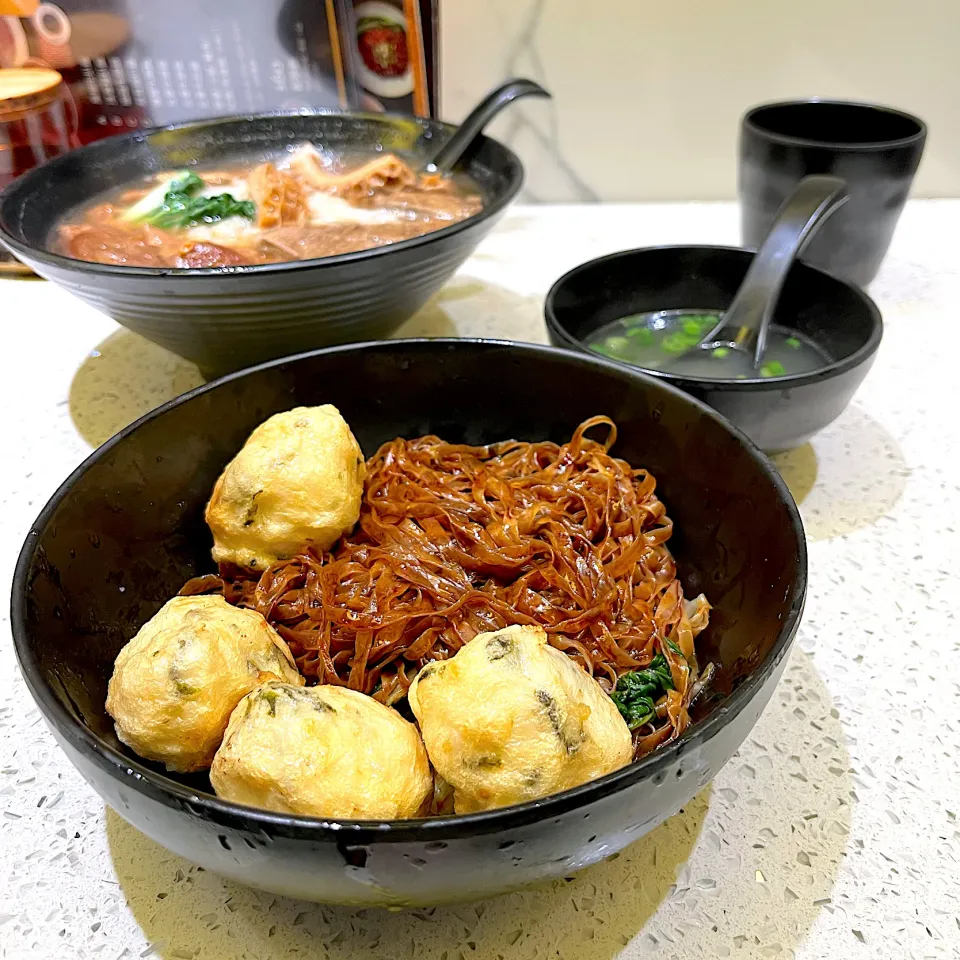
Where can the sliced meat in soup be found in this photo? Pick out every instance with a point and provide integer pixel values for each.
(201, 254)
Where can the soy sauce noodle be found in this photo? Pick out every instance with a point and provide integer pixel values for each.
(659, 339)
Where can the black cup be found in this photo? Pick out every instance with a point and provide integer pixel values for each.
(875, 149)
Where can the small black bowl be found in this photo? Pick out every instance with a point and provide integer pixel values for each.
(227, 318)
(776, 414)
(126, 529)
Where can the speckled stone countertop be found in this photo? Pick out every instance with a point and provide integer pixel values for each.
(834, 832)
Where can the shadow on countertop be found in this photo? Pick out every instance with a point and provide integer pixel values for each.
(852, 474)
(186, 911)
(126, 376)
(744, 870)
(121, 379)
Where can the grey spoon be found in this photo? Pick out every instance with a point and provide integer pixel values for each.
(745, 323)
(448, 155)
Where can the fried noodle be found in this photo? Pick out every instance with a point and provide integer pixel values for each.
(455, 540)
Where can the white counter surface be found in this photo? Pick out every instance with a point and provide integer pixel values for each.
(834, 833)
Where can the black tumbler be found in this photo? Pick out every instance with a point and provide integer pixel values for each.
(875, 149)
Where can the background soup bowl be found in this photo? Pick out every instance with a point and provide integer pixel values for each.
(126, 529)
(223, 319)
(776, 414)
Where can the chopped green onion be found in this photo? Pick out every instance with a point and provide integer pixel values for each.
(617, 344)
(676, 343)
(773, 368)
(720, 352)
(641, 335)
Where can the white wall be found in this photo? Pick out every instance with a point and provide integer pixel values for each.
(648, 93)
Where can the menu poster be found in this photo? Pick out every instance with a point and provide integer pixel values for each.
(131, 64)
(394, 53)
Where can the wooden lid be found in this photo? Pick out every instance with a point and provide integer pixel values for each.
(25, 89)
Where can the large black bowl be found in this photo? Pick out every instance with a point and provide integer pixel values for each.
(126, 529)
(776, 414)
(225, 319)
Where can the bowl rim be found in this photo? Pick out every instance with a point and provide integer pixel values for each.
(33, 180)
(155, 785)
(685, 381)
(749, 122)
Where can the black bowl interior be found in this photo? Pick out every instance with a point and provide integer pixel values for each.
(834, 314)
(33, 205)
(126, 529)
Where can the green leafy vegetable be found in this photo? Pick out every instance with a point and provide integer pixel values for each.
(792, 342)
(211, 209)
(180, 206)
(150, 200)
(772, 369)
(720, 352)
(637, 692)
(187, 183)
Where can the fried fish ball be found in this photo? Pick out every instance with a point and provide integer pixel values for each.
(297, 480)
(509, 719)
(175, 684)
(324, 751)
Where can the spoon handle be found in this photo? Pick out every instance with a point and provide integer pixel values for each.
(751, 311)
(478, 118)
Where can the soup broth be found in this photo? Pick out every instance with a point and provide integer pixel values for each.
(304, 206)
(667, 340)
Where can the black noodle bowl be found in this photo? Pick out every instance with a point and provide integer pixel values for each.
(131, 517)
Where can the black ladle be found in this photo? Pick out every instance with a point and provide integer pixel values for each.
(477, 119)
(745, 323)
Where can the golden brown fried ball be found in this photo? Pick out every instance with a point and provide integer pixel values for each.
(323, 751)
(297, 480)
(509, 719)
(175, 684)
